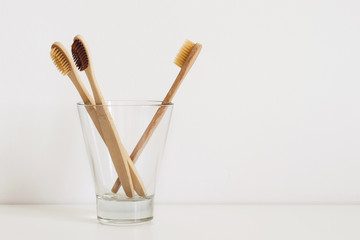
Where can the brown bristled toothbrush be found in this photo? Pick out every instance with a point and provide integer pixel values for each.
(65, 65)
(185, 59)
(81, 56)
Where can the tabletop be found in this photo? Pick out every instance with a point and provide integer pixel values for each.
(185, 221)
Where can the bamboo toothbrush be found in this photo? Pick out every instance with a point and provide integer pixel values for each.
(184, 59)
(65, 65)
(81, 56)
(61, 58)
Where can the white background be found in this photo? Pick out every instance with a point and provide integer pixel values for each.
(269, 113)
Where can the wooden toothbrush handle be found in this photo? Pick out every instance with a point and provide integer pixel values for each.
(153, 124)
(143, 141)
(87, 99)
(137, 182)
(116, 148)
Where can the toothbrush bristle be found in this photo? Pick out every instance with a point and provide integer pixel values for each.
(184, 53)
(60, 61)
(79, 55)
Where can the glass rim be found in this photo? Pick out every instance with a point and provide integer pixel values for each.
(140, 103)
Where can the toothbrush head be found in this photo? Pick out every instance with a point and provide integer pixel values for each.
(60, 58)
(79, 53)
(184, 53)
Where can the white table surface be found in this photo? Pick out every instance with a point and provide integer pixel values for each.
(185, 222)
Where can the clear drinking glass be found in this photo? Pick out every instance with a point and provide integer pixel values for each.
(131, 118)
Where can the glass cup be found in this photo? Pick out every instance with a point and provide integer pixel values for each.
(131, 118)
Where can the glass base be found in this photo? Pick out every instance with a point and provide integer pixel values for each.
(117, 209)
(123, 221)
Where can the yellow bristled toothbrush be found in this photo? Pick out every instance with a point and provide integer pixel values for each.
(185, 60)
(65, 65)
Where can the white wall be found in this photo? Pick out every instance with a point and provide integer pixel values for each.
(269, 113)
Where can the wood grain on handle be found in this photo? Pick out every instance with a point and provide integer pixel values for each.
(117, 151)
(87, 99)
(137, 182)
(102, 121)
(161, 110)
